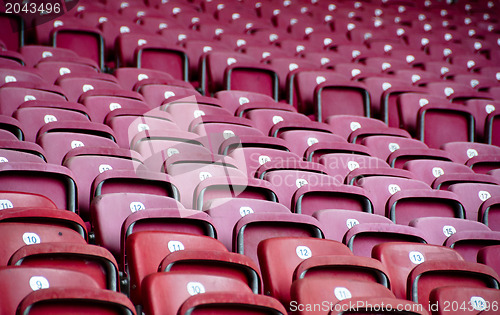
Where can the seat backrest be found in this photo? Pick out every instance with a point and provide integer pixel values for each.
(300, 140)
(314, 197)
(15, 93)
(109, 211)
(234, 302)
(361, 238)
(58, 138)
(438, 229)
(87, 162)
(469, 243)
(472, 195)
(252, 229)
(428, 170)
(77, 301)
(17, 234)
(52, 181)
(225, 213)
(217, 263)
(383, 146)
(489, 256)
(145, 251)
(286, 182)
(34, 114)
(336, 222)
(381, 188)
(281, 255)
(313, 291)
(165, 292)
(430, 275)
(400, 258)
(21, 281)
(343, 125)
(20, 199)
(340, 165)
(476, 299)
(93, 260)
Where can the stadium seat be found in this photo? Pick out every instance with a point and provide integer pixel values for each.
(313, 295)
(252, 229)
(399, 258)
(90, 259)
(60, 137)
(474, 299)
(240, 303)
(77, 301)
(343, 267)
(14, 94)
(314, 196)
(433, 274)
(438, 229)
(488, 213)
(489, 256)
(468, 243)
(165, 292)
(472, 195)
(21, 281)
(336, 222)
(52, 181)
(280, 256)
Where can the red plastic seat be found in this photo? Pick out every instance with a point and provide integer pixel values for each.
(214, 262)
(438, 273)
(313, 197)
(340, 165)
(336, 222)
(145, 251)
(74, 85)
(343, 267)
(429, 170)
(232, 100)
(461, 152)
(52, 181)
(286, 182)
(34, 114)
(21, 281)
(469, 243)
(52, 68)
(32, 54)
(343, 125)
(438, 229)
(489, 214)
(252, 229)
(93, 260)
(15, 93)
(489, 256)
(281, 255)
(101, 103)
(472, 195)
(165, 293)
(474, 299)
(383, 146)
(399, 258)
(20, 199)
(235, 302)
(86, 41)
(77, 301)
(60, 137)
(19, 234)
(309, 293)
